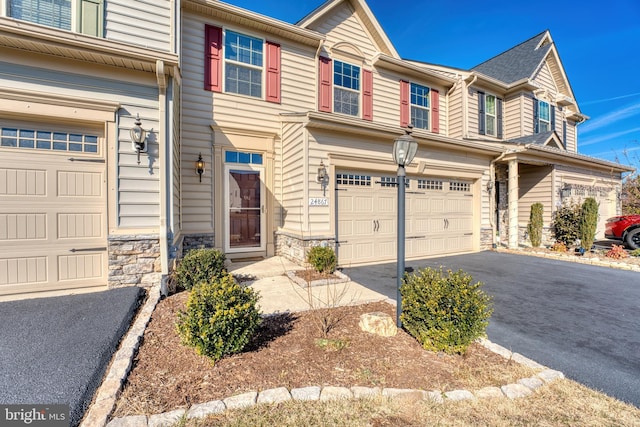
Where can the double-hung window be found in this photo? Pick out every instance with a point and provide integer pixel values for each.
(346, 88)
(243, 59)
(544, 117)
(490, 114)
(82, 16)
(420, 107)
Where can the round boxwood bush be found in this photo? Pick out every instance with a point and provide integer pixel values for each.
(444, 312)
(199, 265)
(220, 319)
(323, 259)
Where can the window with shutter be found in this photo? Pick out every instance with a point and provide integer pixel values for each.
(420, 106)
(346, 88)
(367, 95)
(544, 117)
(435, 111)
(59, 13)
(325, 86)
(481, 114)
(273, 72)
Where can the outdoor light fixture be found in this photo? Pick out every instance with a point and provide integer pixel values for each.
(322, 177)
(200, 166)
(566, 191)
(138, 137)
(404, 150)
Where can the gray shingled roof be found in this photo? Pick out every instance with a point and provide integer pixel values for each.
(536, 138)
(517, 63)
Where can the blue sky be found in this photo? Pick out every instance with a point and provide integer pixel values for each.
(598, 43)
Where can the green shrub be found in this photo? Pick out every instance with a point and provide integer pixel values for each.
(535, 224)
(565, 223)
(220, 319)
(635, 252)
(322, 259)
(588, 223)
(444, 312)
(199, 265)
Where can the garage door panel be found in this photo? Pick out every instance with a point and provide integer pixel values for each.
(362, 227)
(25, 270)
(80, 225)
(22, 226)
(79, 184)
(20, 182)
(77, 267)
(386, 204)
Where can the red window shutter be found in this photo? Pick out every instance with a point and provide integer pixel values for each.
(324, 89)
(435, 111)
(367, 95)
(405, 115)
(213, 58)
(273, 72)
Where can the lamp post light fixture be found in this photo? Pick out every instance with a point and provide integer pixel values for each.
(200, 166)
(322, 177)
(138, 137)
(404, 150)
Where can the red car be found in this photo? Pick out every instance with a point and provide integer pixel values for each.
(625, 228)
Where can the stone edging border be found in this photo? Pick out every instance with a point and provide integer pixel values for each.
(564, 257)
(104, 402)
(106, 396)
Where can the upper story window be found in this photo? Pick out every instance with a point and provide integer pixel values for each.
(82, 16)
(251, 65)
(420, 106)
(243, 60)
(489, 115)
(346, 88)
(544, 117)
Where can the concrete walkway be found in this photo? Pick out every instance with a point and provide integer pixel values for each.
(279, 293)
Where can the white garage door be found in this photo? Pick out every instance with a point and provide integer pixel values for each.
(52, 210)
(439, 217)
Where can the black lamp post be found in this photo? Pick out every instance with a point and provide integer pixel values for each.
(404, 150)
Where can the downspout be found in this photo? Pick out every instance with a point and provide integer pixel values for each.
(164, 166)
(465, 106)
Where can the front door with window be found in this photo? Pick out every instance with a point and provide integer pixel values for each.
(244, 209)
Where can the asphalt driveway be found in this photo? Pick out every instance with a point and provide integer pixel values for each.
(56, 350)
(582, 320)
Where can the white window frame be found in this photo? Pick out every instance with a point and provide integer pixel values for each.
(226, 61)
(337, 87)
(542, 122)
(488, 116)
(417, 106)
(75, 22)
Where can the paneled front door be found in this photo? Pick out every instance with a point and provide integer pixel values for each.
(245, 209)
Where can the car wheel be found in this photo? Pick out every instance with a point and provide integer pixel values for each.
(633, 239)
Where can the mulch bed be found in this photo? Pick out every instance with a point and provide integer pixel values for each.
(167, 375)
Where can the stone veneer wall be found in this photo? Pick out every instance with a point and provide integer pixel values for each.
(196, 241)
(134, 260)
(486, 238)
(547, 236)
(502, 181)
(295, 248)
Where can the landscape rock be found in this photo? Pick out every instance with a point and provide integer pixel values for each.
(515, 391)
(274, 395)
(130, 421)
(241, 400)
(533, 383)
(166, 419)
(378, 323)
(306, 393)
(202, 410)
(365, 392)
(489, 393)
(334, 393)
(550, 375)
(459, 395)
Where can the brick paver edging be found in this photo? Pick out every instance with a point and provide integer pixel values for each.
(104, 403)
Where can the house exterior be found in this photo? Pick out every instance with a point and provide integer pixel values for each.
(295, 124)
(76, 209)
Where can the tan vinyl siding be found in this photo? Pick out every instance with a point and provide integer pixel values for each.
(455, 113)
(527, 115)
(137, 190)
(143, 23)
(545, 79)
(344, 26)
(472, 112)
(292, 188)
(513, 107)
(572, 136)
(535, 186)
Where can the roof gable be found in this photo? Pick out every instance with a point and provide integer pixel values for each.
(520, 62)
(364, 14)
(548, 139)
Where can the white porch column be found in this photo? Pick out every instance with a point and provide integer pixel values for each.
(513, 204)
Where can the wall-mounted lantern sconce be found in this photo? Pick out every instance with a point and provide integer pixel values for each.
(490, 185)
(566, 191)
(200, 166)
(322, 177)
(138, 137)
